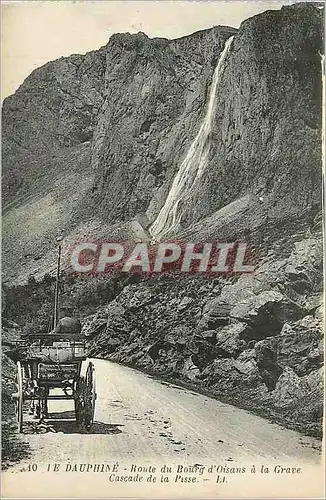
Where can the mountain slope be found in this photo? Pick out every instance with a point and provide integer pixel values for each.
(64, 163)
(63, 128)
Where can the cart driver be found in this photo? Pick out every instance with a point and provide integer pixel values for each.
(68, 324)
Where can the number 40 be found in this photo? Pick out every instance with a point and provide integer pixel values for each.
(32, 468)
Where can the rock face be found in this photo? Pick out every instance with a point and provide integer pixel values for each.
(259, 349)
(279, 50)
(156, 91)
(64, 126)
(102, 137)
(52, 114)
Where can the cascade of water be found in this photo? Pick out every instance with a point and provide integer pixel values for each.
(193, 165)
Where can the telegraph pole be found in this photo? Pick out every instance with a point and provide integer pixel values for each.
(56, 295)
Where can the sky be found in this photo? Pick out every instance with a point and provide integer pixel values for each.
(35, 32)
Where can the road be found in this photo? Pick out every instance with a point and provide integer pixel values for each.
(139, 419)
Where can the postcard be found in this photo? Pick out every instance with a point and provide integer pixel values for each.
(162, 249)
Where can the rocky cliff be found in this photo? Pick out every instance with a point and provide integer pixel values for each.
(65, 165)
(64, 161)
(266, 136)
(256, 341)
(92, 145)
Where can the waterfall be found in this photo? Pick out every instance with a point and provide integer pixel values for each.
(192, 167)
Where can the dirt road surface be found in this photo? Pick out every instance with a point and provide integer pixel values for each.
(140, 420)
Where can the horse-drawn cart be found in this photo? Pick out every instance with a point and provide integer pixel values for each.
(54, 366)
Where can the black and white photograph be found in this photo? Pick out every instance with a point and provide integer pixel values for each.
(162, 321)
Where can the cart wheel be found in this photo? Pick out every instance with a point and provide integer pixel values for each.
(89, 396)
(79, 400)
(19, 398)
